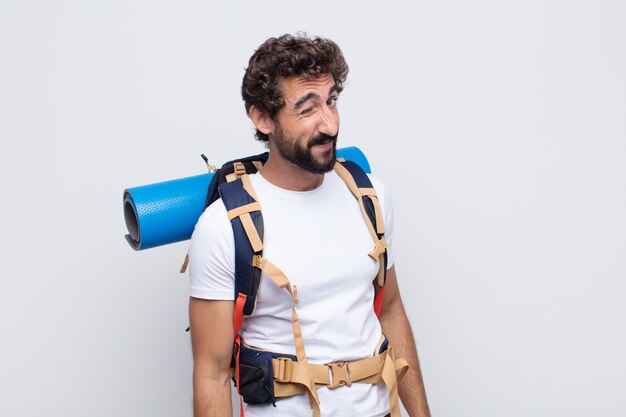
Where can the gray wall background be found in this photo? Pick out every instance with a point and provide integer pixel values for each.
(500, 128)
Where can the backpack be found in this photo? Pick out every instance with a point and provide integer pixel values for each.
(260, 376)
(227, 185)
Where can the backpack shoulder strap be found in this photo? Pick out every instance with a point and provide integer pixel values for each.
(229, 172)
(361, 187)
(232, 170)
(244, 212)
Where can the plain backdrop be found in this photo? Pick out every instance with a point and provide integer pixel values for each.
(498, 126)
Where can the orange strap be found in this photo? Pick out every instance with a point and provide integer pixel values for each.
(378, 301)
(238, 317)
(237, 322)
(238, 347)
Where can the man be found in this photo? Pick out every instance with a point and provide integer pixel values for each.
(315, 233)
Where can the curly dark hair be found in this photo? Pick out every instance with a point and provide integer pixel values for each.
(288, 56)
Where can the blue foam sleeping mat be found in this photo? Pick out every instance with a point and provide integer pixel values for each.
(167, 212)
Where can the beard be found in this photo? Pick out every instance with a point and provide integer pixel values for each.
(302, 156)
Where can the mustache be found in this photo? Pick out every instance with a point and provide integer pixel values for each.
(321, 139)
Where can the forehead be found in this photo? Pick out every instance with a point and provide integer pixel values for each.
(295, 87)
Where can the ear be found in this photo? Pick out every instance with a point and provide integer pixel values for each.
(261, 120)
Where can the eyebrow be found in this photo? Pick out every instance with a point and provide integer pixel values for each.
(303, 100)
(311, 95)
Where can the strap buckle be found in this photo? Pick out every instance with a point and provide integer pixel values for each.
(284, 371)
(379, 249)
(339, 374)
(239, 169)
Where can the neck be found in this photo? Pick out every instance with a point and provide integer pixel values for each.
(286, 175)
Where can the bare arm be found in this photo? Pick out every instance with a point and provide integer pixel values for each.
(396, 327)
(211, 324)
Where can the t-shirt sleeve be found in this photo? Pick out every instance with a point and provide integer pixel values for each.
(211, 256)
(387, 208)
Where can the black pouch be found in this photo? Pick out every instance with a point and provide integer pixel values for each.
(256, 375)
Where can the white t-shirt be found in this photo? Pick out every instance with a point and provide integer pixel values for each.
(320, 240)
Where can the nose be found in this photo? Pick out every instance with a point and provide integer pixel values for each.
(329, 121)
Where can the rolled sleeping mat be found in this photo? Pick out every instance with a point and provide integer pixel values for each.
(167, 212)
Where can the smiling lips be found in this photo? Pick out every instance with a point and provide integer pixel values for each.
(326, 144)
(322, 140)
